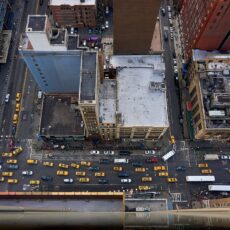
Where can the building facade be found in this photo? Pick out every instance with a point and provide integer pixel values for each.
(74, 13)
(205, 25)
(53, 62)
(209, 91)
(133, 25)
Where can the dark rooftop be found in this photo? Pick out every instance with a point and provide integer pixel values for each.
(61, 117)
(36, 23)
(73, 41)
(58, 36)
(88, 78)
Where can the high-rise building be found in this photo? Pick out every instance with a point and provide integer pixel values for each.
(51, 55)
(74, 13)
(205, 25)
(209, 90)
(133, 25)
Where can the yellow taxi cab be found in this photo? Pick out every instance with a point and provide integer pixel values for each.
(32, 162)
(34, 182)
(74, 165)
(172, 140)
(172, 180)
(17, 150)
(203, 165)
(61, 165)
(163, 174)
(159, 168)
(12, 161)
(99, 174)
(17, 107)
(84, 180)
(18, 97)
(2, 179)
(7, 174)
(143, 188)
(86, 163)
(206, 171)
(147, 179)
(62, 173)
(12, 181)
(4, 155)
(15, 118)
(139, 169)
(48, 163)
(117, 168)
(80, 173)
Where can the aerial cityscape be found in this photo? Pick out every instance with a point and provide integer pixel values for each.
(115, 106)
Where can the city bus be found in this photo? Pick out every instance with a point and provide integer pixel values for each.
(168, 155)
(219, 188)
(210, 178)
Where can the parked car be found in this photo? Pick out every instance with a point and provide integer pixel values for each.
(163, 11)
(106, 24)
(27, 173)
(7, 97)
(174, 61)
(224, 157)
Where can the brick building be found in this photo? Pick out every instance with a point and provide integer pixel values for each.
(134, 23)
(205, 25)
(74, 13)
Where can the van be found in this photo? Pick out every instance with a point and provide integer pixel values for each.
(165, 35)
(121, 161)
(168, 155)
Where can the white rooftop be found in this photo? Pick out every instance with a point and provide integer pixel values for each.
(72, 2)
(107, 104)
(153, 61)
(203, 54)
(138, 102)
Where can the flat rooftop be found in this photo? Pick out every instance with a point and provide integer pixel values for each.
(72, 2)
(36, 23)
(59, 117)
(72, 42)
(88, 76)
(203, 54)
(107, 102)
(152, 61)
(141, 97)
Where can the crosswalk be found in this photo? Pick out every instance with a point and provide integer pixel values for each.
(32, 154)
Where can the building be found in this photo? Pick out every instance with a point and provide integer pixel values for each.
(133, 25)
(52, 56)
(5, 35)
(74, 13)
(209, 89)
(205, 25)
(128, 104)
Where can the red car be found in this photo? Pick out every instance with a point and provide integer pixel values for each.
(152, 160)
(11, 144)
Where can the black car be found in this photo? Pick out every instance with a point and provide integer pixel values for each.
(124, 152)
(104, 161)
(94, 168)
(103, 181)
(137, 164)
(180, 168)
(47, 178)
(123, 174)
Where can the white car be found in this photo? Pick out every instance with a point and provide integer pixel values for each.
(175, 69)
(224, 157)
(170, 15)
(7, 97)
(170, 22)
(68, 180)
(109, 152)
(126, 181)
(107, 10)
(94, 152)
(169, 8)
(174, 61)
(107, 24)
(150, 152)
(27, 173)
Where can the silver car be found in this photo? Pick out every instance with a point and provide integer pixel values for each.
(27, 173)
(109, 152)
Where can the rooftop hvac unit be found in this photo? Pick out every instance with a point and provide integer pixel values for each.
(226, 72)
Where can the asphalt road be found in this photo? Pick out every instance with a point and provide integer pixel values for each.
(172, 89)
